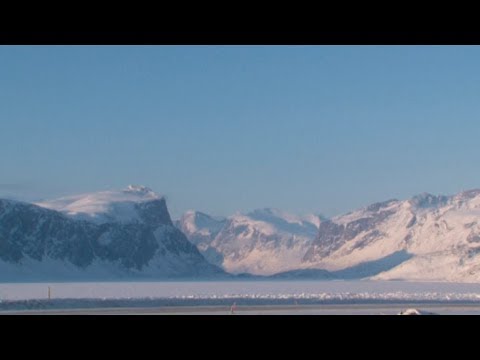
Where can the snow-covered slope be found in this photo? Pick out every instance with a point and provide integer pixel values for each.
(199, 227)
(426, 237)
(263, 242)
(128, 234)
(104, 206)
(440, 234)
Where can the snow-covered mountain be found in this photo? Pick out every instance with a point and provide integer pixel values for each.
(425, 238)
(107, 235)
(107, 206)
(262, 242)
(129, 233)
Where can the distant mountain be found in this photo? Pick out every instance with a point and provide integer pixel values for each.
(427, 237)
(111, 206)
(129, 234)
(437, 238)
(105, 235)
(262, 242)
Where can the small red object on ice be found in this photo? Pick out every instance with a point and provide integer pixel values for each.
(233, 308)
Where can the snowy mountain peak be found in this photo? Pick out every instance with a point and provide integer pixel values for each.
(468, 194)
(141, 191)
(381, 205)
(281, 217)
(263, 241)
(199, 226)
(198, 219)
(105, 206)
(270, 213)
(426, 200)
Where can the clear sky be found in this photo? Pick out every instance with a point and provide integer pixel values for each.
(322, 129)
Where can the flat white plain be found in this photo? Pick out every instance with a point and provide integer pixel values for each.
(332, 291)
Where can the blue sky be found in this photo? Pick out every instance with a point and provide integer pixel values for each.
(322, 129)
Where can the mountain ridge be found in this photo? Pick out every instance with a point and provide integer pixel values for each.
(258, 242)
(130, 234)
(429, 237)
(145, 245)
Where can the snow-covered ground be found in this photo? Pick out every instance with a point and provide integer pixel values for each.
(331, 291)
(336, 309)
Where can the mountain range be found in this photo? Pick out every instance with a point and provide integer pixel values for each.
(427, 237)
(129, 234)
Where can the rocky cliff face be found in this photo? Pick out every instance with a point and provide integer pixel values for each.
(41, 243)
